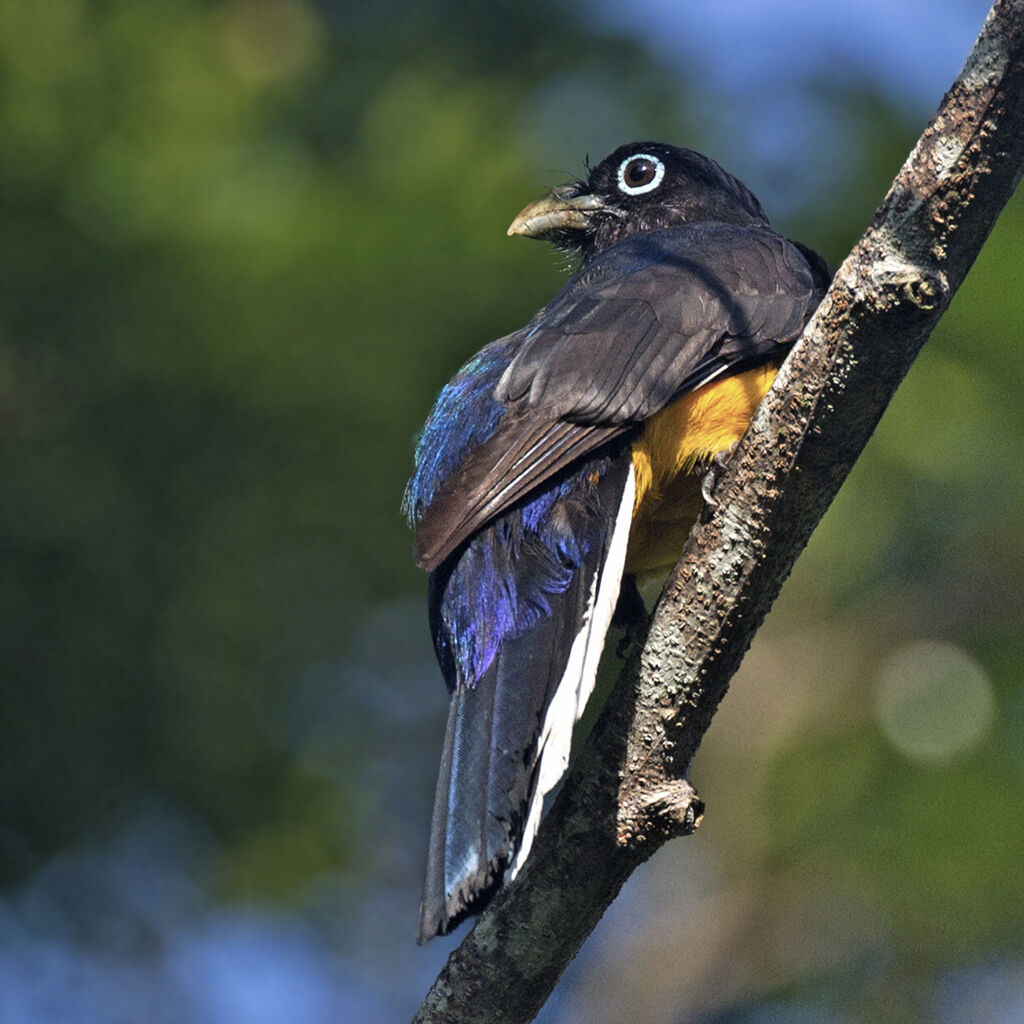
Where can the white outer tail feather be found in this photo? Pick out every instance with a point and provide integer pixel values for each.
(577, 682)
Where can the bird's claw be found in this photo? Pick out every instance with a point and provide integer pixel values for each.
(716, 467)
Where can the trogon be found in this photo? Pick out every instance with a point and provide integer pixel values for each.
(568, 457)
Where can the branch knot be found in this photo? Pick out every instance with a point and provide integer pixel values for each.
(670, 809)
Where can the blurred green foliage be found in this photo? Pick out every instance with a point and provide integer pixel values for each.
(243, 245)
(242, 251)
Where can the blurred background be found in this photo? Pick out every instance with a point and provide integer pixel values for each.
(243, 246)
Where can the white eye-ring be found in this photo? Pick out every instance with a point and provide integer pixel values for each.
(640, 173)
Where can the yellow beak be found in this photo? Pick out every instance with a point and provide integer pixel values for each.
(554, 214)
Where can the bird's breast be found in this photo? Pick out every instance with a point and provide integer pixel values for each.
(670, 458)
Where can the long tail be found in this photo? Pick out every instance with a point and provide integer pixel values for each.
(508, 737)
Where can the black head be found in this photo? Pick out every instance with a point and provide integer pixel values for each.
(641, 187)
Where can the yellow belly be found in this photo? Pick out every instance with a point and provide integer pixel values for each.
(670, 458)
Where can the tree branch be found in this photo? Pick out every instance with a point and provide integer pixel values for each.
(627, 793)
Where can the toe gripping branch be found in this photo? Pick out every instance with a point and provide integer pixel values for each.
(715, 469)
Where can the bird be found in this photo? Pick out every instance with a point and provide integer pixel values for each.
(565, 461)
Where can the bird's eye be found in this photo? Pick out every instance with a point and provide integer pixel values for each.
(640, 173)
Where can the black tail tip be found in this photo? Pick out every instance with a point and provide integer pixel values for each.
(440, 919)
(441, 915)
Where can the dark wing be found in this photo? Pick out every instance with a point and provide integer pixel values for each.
(648, 320)
(656, 317)
(522, 453)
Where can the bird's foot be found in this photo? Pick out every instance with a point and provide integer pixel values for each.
(631, 616)
(716, 467)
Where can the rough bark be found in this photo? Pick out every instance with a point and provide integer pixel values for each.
(627, 792)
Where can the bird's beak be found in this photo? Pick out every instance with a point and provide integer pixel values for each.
(556, 214)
